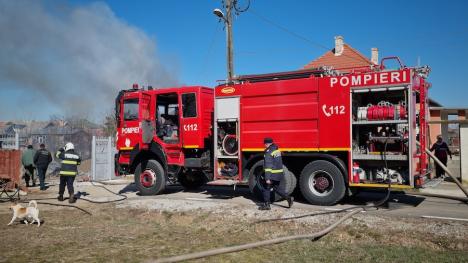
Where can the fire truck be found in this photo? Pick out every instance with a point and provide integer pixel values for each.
(338, 130)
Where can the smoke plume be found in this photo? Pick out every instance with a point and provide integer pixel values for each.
(71, 59)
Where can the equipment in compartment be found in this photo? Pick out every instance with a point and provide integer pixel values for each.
(383, 110)
(380, 137)
(228, 168)
(227, 139)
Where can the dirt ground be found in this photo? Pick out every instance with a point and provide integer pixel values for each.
(142, 229)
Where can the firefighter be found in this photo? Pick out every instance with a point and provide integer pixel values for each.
(273, 166)
(68, 170)
(27, 159)
(441, 150)
(42, 159)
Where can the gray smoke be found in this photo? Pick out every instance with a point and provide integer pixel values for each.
(72, 59)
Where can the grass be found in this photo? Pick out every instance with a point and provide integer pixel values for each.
(125, 235)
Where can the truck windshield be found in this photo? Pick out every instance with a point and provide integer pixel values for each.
(130, 109)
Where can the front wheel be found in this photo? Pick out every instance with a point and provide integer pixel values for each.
(257, 182)
(322, 183)
(150, 178)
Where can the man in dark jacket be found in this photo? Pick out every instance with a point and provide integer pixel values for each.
(42, 159)
(68, 170)
(441, 150)
(273, 165)
(27, 159)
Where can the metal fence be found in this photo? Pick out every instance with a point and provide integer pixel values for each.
(102, 159)
(9, 141)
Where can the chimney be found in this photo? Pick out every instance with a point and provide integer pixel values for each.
(375, 56)
(339, 42)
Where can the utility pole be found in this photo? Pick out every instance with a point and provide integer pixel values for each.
(230, 6)
(229, 42)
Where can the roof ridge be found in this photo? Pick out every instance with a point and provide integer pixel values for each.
(357, 53)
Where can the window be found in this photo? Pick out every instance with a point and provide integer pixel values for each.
(189, 105)
(130, 109)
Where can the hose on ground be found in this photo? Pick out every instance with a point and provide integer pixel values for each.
(46, 203)
(224, 250)
(456, 198)
(445, 169)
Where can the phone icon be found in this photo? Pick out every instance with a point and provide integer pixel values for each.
(324, 109)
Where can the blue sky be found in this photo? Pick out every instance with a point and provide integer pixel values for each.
(190, 38)
(190, 41)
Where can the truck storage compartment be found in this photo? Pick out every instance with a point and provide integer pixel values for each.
(380, 134)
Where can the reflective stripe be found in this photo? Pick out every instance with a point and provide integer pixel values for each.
(57, 154)
(276, 171)
(69, 162)
(67, 173)
(275, 152)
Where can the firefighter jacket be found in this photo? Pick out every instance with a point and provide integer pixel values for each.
(273, 164)
(42, 158)
(28, 157)
(70, 162)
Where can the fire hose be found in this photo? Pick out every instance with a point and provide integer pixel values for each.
(445, 169)
(262, 243)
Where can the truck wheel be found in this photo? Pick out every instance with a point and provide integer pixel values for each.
(322, 183)
(192, 179)
(257, 181)
(150, 178)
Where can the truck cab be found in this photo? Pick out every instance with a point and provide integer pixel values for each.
(159, 130)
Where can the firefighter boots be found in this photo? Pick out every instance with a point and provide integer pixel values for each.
(72, 198)
(60, 198)
(264, 206)
(290, 201)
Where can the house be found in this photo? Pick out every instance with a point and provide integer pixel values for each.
(343, 57)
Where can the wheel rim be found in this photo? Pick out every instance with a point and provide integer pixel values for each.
(148, 178)
(321, 183)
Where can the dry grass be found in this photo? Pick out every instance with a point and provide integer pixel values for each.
(126, 235)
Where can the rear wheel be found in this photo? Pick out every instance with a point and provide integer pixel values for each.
(257, 181)
(192, 179)
(150, 178)
(322, 183)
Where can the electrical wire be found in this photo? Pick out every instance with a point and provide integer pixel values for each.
(313, 43)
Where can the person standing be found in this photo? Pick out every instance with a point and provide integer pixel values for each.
(68, 170)
(27, 159)
(273, 166)
(441, 151)
(42, 159)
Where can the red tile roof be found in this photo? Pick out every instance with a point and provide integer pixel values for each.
(350, 58)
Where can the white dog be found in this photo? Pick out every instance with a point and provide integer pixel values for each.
(30, 212)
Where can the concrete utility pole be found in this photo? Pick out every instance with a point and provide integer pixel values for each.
(230, 55)
(228, 5)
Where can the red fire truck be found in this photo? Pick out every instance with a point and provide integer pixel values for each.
(338, 130)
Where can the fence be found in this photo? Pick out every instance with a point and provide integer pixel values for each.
(102, 159)
(9, 141)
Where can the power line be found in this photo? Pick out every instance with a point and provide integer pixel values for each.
(313, 43)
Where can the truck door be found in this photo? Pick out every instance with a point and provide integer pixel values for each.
(190, 121)
(168, 126)
(128, 122)
(147, 124)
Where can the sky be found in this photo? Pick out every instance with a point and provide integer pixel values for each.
(166, 43)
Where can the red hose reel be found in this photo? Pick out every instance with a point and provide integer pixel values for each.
(384, 110)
